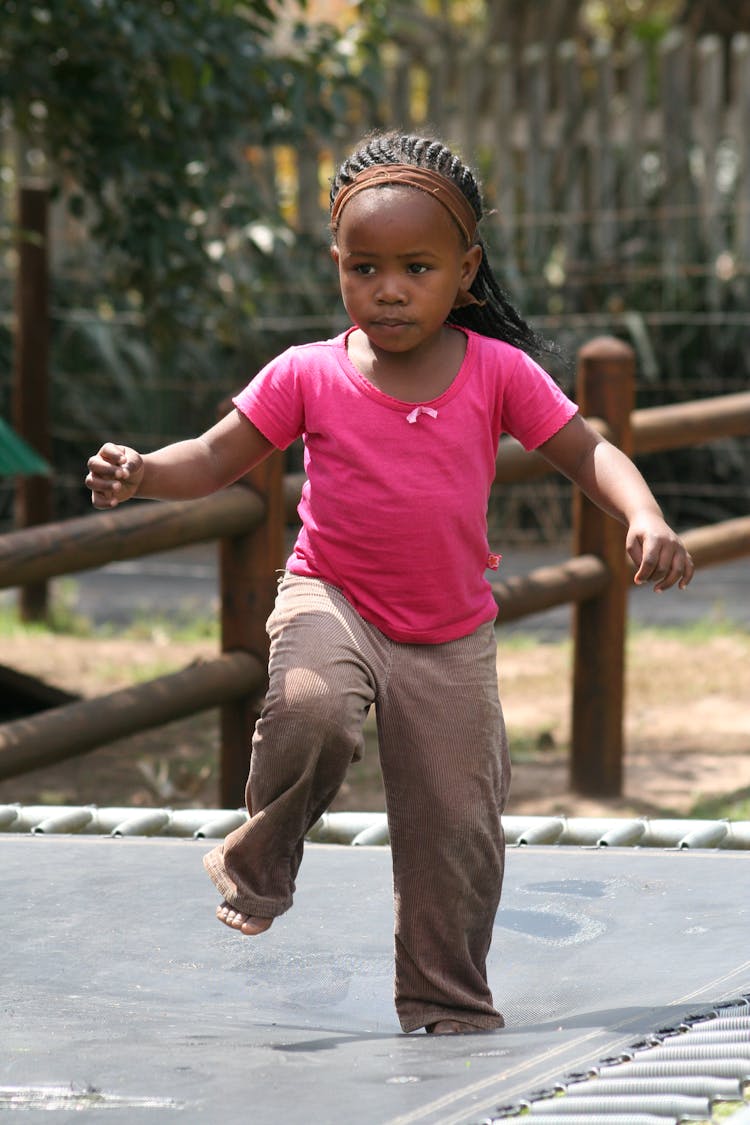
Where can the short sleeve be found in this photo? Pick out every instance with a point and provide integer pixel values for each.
(534, 407)
(273, 400)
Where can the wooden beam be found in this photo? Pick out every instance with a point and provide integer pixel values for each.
(140, 528)
(68, 731)
(33, 494)
(550, 586)
(606, 388)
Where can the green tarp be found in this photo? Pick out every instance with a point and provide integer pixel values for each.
(16, 457)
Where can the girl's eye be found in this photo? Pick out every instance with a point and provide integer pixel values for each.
(417, 267)
(365, 269)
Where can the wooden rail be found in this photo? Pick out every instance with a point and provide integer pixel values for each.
(65, 732)
(249, 519)
(143, 528)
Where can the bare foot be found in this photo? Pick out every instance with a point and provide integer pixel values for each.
(245, 923)
(453, 1027)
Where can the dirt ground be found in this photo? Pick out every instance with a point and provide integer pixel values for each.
(687, 728)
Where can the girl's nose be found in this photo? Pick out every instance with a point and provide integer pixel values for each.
(391, 290)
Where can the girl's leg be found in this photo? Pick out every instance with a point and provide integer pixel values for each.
(310, 730)
(446, 771)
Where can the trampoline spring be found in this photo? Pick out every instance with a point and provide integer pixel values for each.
(684, 1050)
(148, 823)
(375, 835)
(692, 1085)
(548, 832)
(645, 1044)
(722, 1023)
(9, 814)
(735, 1009)
(706, 836)
(678, 1106)
(709, 1027)
(577, 1119)
(628, 833)
(72, 820)
(724, 1067)
(709, 1032)
(736, 1037)
(220, 825)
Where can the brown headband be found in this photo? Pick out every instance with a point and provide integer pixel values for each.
(435, 184)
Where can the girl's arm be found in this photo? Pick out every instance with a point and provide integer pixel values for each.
(185, 470)
(610, 479)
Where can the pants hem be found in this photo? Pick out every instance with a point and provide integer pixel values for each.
(255, 905)
(483, 1021)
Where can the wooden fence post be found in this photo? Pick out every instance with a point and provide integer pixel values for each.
(33, 495)
(248, 575)
(605, 389)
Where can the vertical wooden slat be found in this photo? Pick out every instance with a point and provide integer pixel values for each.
(569, 157)
(471, 67)
(634, 143)
(709, 131)
(605, 388)
(604, 170)
(741, 130)
(502, 97)
(536, 180)
(677, 194)
(31, 373)
(249, 566)
(551, 170)
(309, 210)
(636, 221)
(400, 90)
(436, 100)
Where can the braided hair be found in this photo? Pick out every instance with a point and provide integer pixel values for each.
(496, 316)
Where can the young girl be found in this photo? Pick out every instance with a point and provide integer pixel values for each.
(384, 601)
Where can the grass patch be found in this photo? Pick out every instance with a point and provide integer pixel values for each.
(536, 745)
(731, 806)
(180, 630)
(693, 633)
(63, 620)
(725, 1112)
(187, 626)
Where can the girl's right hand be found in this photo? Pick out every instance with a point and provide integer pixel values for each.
(115, 475)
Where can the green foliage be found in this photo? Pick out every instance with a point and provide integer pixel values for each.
(730, 806)
(146, 107)
(144, 115)
(648, 20)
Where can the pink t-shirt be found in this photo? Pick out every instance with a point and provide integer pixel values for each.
(394, 509)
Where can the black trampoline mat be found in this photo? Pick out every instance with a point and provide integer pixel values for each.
(123, 997)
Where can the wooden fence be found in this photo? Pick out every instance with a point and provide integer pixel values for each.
(620, 166)
(624, 166)
(249, 522)
(620, 182)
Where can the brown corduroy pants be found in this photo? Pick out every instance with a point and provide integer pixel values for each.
(446, 772)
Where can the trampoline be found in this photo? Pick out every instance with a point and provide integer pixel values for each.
(122, 992)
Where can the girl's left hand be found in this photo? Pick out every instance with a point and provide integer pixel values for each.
(659, 555)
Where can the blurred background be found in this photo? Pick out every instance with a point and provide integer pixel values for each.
(175, 162)
(164, 181)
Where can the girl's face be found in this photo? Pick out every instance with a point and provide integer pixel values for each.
(401, 261)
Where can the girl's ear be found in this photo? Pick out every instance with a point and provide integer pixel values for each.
(472, 260)
(471, 263)
(335, 253)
